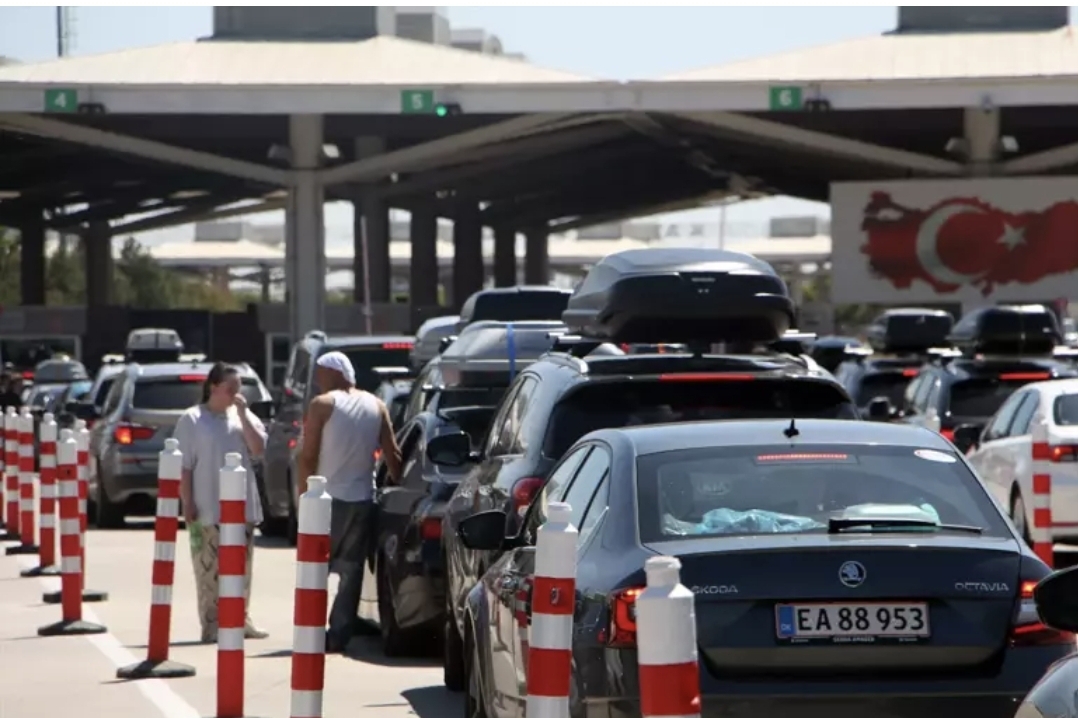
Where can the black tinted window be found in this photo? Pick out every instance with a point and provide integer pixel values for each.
(981, 397)
(768, 489)
(453, 397)
(519, 306)
(103, 391)
(606, 405)
(365, 360)
(176, 395)
(890, 384)
(59, 371)
(1065, 410)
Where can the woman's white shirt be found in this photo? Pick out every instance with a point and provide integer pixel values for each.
(205, 437)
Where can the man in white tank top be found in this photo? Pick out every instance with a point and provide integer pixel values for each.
(343, 429)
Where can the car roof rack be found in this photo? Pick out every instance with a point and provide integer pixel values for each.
(793, 342)
(491, 353)
(909, 330)
(1008, 331)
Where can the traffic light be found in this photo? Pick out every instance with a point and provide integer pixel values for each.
(446, 109)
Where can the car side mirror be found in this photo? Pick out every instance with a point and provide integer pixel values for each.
(453, 449)
(484, 531)
(264, 410)
(444, 343)
(880, 409)
(966, 437)
(1056, 598)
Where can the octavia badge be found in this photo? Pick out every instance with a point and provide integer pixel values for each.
(852, 574)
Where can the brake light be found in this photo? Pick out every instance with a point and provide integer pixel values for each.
(292, 443)
(947, 434)
(127, 434)
(192, 377)
(1028, 629)
(1064, 454)
(910, 372)
(623, 618)
(802, 457)
(524, 490)
(431, 529)
(397, 345)
(28, 375)
(706, 376)
(377, 455)
(1025, 376)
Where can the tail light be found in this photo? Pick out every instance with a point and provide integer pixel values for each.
(1028, 629)
(377, 455)
(947, 434)
(1064, 454)
(1025, 376)
(623, 618)
(910, 372)
(524, 490)
(430, 529)
(397, 345)
(127, 434)
(292, 444)
(192, 377)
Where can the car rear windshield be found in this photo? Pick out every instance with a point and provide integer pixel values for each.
(891, 384)
(103, 391)
(737, 491)
(982, 396)
(59, 371)
(366, 358)
(452, 397)
(616, 404)
(174, 394)
(1065, 410)
(519, 307)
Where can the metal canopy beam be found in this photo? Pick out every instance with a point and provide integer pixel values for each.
(638, 211)
(776, 132)
(202, 212)
(148, 149)
(1053, 159)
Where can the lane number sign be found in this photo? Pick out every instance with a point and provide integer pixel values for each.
(417, 102)
(61, 100)
(785, 98)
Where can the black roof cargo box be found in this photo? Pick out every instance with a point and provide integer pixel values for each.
(1029, 329)
(489, 354)
(910, 330)
(680, 295)
(514, 304)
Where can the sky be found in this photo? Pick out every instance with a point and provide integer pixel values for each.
(608, 42)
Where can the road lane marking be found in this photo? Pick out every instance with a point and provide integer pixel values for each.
(167, 701)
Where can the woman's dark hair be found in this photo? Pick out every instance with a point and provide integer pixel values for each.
(220, 372)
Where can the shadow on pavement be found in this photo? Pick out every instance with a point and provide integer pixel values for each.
(434, 702)
(369, 650)
(279, 653)
(272, 542)
(172, 644)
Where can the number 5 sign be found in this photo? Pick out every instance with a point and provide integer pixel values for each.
(785, 98)
(417, 102)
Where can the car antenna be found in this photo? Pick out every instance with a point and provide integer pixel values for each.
(791, 431)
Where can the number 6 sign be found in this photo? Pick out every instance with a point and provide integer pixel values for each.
(785, 98)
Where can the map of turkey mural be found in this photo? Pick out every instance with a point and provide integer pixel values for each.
(939, 239)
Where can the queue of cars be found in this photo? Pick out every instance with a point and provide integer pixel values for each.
(837, 563)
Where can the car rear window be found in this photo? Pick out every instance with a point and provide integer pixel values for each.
(1065, 410)
(519, 307)
(103, 391)
(365, 359)
(59, 371)
(616, 404)
(891, 384)
(737, 491)
(173, 394)
(982, 396)
(452, 397)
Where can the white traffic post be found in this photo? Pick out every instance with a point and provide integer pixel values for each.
(666, 643)
(1040, 529)
(312, 600)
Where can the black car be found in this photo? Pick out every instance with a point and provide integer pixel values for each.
(404, 591)
(276, 472)
(513, 304)
(394, 394)
(901, 341)
(571, 391)
(830, 351)
(1000, 350)
(844, 569)
(1056, 600)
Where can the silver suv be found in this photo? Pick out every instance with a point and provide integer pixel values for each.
(139, 413)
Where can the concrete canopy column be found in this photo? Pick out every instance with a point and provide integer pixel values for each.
(99, 264)
(371, 213)
(306, 253)
(536, 257)
(32, 266)
(505, 257)
(468, 266)
(423, 272)
(982, 135)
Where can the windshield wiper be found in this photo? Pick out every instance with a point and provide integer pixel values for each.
(835, 526)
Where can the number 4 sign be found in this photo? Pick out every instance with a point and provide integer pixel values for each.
(61, 100)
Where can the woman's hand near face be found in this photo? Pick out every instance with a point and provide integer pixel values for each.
(240, 402)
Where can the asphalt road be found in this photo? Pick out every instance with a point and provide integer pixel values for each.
(73, 676)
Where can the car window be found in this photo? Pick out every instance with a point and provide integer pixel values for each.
(299, 367)
(418, 399)
(1065, 410)
(595, 511)
(920, 399)
(889, 384)
(978, 397)
(176, 394)
(555, 487)
(112, 401)
(997, 427)
(1024, 416)
(366, 358)
(507, 440)
(909, 403)
(103, 390)
(737, 491)
(586, 482)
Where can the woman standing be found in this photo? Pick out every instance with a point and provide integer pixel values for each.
(221, 424)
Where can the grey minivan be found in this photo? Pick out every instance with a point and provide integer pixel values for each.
(139, 413)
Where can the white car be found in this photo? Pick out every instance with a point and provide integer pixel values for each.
(1002, 455)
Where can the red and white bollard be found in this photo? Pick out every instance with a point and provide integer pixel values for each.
(1041, 529)
(553, 600)
(72, 622)
(47, 564)
(27, 481)
(666, 643)
(82, 443)
(231, 600)
(11, 474)
(166, 526)
(312, 600)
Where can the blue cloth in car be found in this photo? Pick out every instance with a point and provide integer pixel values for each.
(728, 521)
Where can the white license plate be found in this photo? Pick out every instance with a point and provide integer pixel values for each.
(851, 622)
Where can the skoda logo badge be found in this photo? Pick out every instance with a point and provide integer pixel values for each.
(852, 574)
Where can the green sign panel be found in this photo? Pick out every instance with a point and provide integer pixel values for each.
(61, 101)
(785, 98)
(417, 102)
